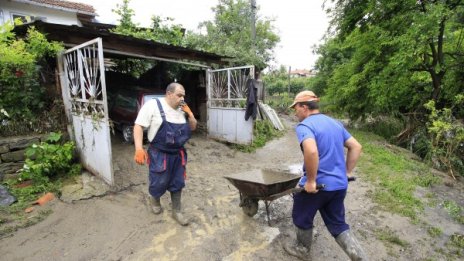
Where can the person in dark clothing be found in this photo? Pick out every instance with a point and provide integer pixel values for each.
(252, 100)
(322, 141)
(255, 93)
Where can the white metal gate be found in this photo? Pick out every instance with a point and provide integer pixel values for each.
(227, 103)
(84, 94)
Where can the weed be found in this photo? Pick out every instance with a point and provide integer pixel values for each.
(20, 220)
(426, 180)
(263, 132)
(454, 210)
(388, 235)
(457, 240)
(434, 231)
(456, 245)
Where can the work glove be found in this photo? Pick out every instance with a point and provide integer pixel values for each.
(187, 110)
(140, 156)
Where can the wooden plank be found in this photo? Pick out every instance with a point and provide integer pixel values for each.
(270, 114)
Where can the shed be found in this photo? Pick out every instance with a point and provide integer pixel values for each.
(81, 71)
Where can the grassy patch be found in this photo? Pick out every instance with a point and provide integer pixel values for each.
(395, 174)
(263, 132)
(389, 236)
(434, 231)
(456, 245)
(457, 240)
(14, 218)
(454, 210)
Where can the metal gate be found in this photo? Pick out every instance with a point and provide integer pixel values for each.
(84, 93)
(227, 103)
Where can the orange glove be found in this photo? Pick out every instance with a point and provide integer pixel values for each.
(140, 156)
(187, 110)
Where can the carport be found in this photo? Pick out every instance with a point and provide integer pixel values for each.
(81, 70)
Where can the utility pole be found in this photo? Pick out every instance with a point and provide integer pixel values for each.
(253, 21)
(289, 70)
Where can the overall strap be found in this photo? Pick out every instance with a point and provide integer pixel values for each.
(163, 115)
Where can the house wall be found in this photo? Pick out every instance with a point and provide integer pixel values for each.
(8, 8)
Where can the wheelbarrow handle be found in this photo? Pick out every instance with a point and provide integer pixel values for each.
(301, 189)
(320, 186)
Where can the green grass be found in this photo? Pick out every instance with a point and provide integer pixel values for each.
(454, 210)
(389, 236)
(434, 231)
(263, 132)
(12, 219)
(456, 245)
(395, 174)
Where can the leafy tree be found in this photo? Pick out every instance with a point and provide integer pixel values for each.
(230, 34)
(159, 31)
(386, 57)
(392, 55)
(278, 82)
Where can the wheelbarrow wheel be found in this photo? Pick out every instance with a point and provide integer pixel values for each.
(250, 206)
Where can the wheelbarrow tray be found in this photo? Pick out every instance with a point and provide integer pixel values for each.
(263, 183)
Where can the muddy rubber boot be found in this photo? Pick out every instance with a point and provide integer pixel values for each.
(156, 205)
(176, 208)
(351, 246)
(301, 246)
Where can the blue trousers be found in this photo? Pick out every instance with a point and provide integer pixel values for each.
(330, 205)
(166, 172)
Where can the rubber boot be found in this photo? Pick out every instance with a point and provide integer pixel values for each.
(176, 208)
(300, 247)
(156, 205)
(351, 246)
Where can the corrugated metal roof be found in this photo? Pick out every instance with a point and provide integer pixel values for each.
(63, 5)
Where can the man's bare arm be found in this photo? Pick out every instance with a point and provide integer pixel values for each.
(311, 161)
(138, 137)
(352, 156)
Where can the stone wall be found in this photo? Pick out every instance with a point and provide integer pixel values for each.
(12, 151)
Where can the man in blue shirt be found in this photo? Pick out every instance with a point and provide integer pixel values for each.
(322, 141)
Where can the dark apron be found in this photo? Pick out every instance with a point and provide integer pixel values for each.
(168, 157)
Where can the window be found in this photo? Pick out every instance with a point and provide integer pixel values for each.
(126, 103)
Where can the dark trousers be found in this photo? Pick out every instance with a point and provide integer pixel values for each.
(166, 172)
(330, 205)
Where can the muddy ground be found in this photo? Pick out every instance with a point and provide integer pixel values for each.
(119, 224)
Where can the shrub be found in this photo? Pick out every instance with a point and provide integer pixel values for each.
(46, 163)
(22, 97)
(447, 138)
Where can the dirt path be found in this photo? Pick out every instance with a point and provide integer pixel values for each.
(120, 225)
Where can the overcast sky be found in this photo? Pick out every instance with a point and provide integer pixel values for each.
(299, 23)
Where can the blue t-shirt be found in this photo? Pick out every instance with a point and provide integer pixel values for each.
(330, 136)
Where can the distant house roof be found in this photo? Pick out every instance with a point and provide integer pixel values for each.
(302, 73)
(62, 5)
(116, 45)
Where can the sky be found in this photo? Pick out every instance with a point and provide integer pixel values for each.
(300, 24)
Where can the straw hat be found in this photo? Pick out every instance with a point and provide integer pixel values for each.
(304, 96)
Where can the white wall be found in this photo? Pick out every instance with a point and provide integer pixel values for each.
(8, 8)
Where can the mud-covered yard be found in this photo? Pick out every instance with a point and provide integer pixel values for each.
(119, 224)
